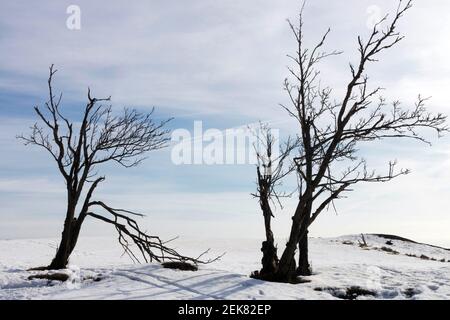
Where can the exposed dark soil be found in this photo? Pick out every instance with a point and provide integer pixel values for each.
(185, 266)
(50, 276)
(350, 293)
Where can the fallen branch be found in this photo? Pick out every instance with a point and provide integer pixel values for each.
(150, 247)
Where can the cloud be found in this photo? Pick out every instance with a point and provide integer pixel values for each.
(222, 62)
(27, 185)
(196, 57)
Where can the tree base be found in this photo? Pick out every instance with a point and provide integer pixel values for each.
(179, 265)
(58, 276)
(277, 278)
(305, 272)
(46, 268)
(270, 259)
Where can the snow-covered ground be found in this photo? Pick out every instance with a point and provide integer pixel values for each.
(99, 271)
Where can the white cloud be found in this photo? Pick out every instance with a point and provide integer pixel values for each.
(30, 185)
(220, 59)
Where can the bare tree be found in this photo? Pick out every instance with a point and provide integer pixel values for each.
(270, 171)
(79, 149)
(331, 128)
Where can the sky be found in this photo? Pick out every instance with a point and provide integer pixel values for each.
(222, 63)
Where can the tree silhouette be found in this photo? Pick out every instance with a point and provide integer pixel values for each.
(330, 129)
(79, 149)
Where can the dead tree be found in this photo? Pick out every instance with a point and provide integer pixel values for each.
(330, 128)
(270, 171)
(79, 149)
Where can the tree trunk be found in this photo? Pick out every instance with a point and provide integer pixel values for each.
(304, 269)
(69, 238)
(68, 242)
(63, 252)
(270, 259)
(287, 267)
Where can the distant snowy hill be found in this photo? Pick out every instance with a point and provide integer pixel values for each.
(385, 269)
